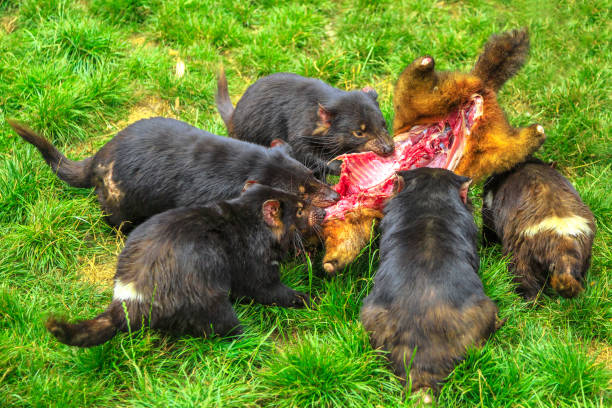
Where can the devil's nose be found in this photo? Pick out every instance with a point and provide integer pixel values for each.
(387, 149)
(333, 195)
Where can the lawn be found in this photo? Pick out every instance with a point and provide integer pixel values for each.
(79, 71)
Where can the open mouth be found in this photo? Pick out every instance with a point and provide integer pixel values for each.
(378, 146)
(316, 217)
(368, 180)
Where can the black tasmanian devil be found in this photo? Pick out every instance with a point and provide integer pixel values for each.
(319, 121)
(541, 221)
(427, 304)
(178, 268)
(157, 164)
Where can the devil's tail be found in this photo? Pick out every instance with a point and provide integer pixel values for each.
(224, 104)
(75, 173)
(87, 333)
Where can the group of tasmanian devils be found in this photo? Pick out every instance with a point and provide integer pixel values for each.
(210, 217)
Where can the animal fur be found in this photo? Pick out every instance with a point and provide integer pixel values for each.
(424, 96)
(178, 268)
(542, 224)
(427, 304)
(157, 164)
(317, 120)
(345, 238)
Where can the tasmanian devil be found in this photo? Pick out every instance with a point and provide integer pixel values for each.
(542, 222)
(316, 119)
(427, 304)
(178, 267)
(157, 164)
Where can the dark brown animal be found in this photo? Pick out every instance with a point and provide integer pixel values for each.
(157, 164)
(542, 224)
(319, 121)
(178, 268)
(428, 304)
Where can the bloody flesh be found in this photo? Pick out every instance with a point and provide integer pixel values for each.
(368, 180)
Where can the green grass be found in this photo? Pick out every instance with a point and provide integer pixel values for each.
(78, 71)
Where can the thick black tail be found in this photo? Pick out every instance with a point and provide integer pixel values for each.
(86, 333)
(224, 104)
(504, 54)
(75, 173)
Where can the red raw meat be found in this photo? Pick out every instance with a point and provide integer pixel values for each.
(368, 180)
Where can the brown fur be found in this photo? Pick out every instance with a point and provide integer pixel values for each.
(423, 96)
(503, 56)
(112, 192)
(496, 146)
(450, 332)
(518, 201)
(344, 239)
(427, 304)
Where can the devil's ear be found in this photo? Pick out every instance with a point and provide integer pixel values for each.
(325, 115)
(371, 92)
(463, 190)
(406, 180)
(399, 184)
(277, 142)
(281, 145)
(248, 184)
(272, 213)
(406, 175)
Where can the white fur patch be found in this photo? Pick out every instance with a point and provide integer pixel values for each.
(126, 292)
(488, 200)
(573, 226)
(112, 188)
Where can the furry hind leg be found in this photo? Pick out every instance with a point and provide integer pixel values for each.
(224, 321)
(215, 317)
(499, 149)
(277, 293)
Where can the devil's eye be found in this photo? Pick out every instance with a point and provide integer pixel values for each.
(358, 133)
